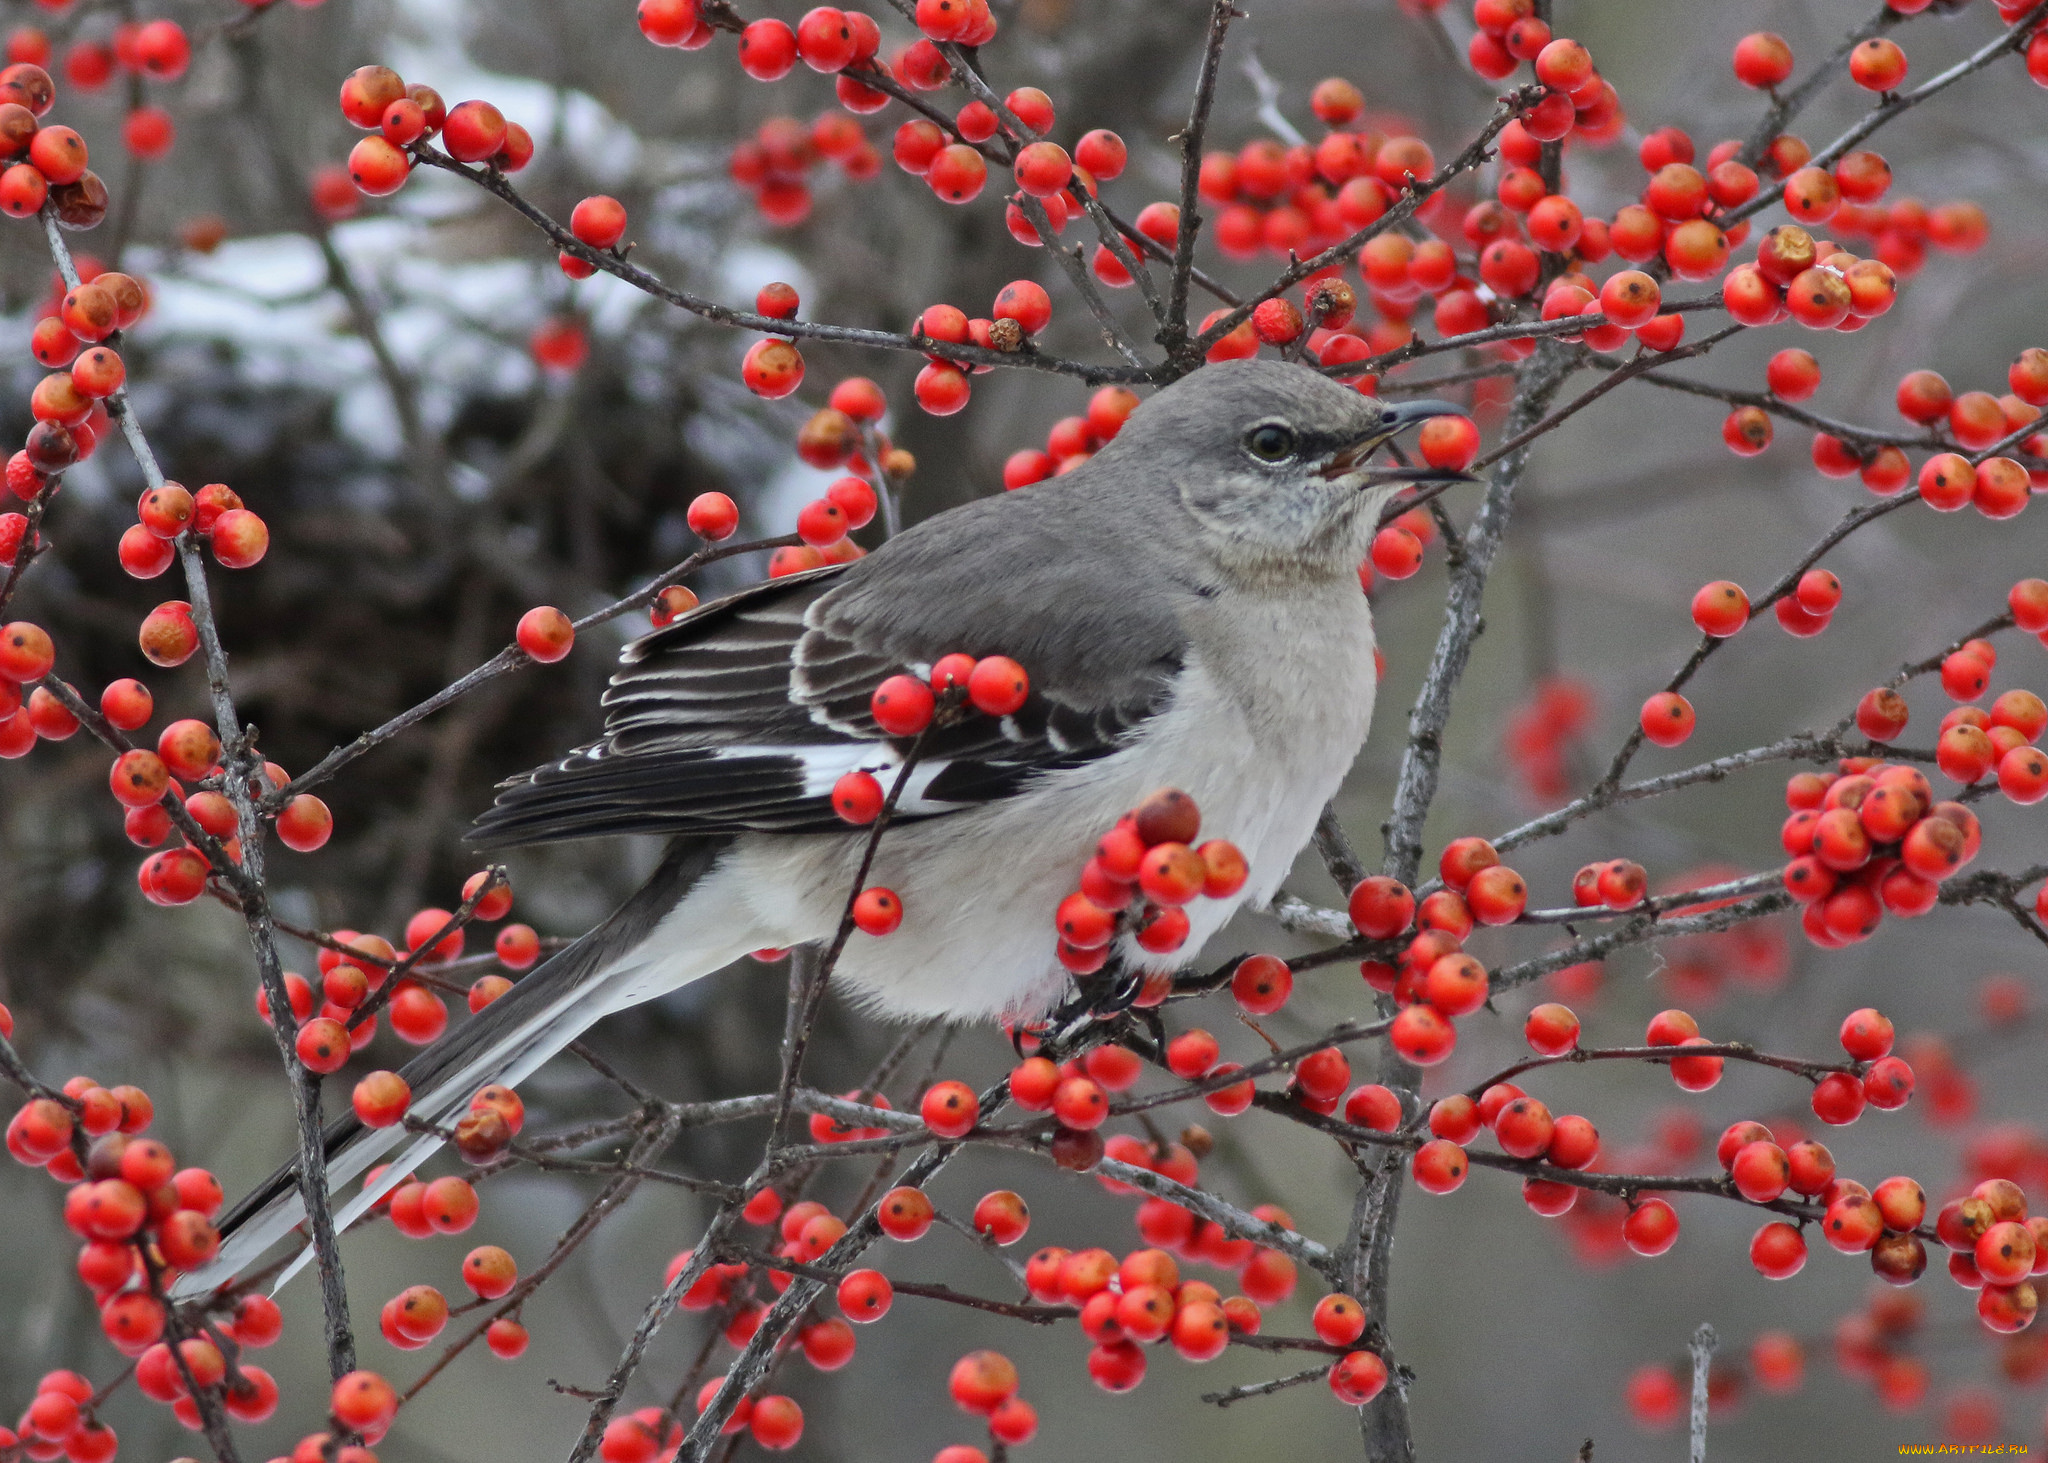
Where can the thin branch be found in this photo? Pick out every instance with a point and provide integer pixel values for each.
(1637, 367)
(1175, 334)
(617, 264)
(511, 658)
(1266, 1389)
(1703, 1343)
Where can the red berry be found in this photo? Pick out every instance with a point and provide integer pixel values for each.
(473, 132)
(1103, 154)
(772, 368)
(776, 1422)
(982, 1381)
(1002, 1216)
(1667, 719)
(1262, 984)
(1762, 60)
(949, 1109)
(1878, 64)
(865, 1295)
(902, 706)
(1439, 1165)
(713, 516)
(1422, 1036)
(1651, 1227)
(1551, 1029)
(957, 173)
(546, 634)
(1720, 609)
(768, 50)
(941, 389)
(1358, 1377)
(1080, 1103)
(1043, 169)
(998, 686)
(877, 911)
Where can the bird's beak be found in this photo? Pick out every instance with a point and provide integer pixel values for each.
(1442, 476)
(1398, 415)
(1395, 417)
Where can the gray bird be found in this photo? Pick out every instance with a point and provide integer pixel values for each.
(1187, 607)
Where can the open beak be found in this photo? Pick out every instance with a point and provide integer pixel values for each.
(1395, 417)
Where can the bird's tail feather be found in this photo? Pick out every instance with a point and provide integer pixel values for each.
(504, 1043)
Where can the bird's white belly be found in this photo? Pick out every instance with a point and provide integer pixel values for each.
(1261, 731)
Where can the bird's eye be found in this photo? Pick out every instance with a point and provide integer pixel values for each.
(1270, 442)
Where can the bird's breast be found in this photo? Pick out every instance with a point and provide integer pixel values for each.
(1278, 699)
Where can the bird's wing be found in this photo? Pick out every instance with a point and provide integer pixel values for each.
(743, 714)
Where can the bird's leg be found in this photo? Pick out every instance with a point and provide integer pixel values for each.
(1100, 1000)
(1124, 988)
(1149, 1018)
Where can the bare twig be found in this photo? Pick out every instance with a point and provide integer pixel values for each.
(1703, 1343)
(1174, 335)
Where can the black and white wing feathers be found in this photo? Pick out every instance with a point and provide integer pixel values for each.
(741, 715)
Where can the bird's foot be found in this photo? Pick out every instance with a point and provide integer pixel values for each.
(1100, 1001)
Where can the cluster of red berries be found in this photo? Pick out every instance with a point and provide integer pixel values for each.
(150, 784)
(399, 117)
(71, 415)
(1995, 1249)
(1297, 201)
(843, 436)
(446, 1205)
(1021, 310)
(845, 43)
(214, 514)
(984, 1383)
(1141, 1299)
(1875, 1345)
(1578, 101)
(142, 1219)
(355, 966)
(956, 171)
(43, 164)
(1871, 1344)
(1522, 1126)
(59, 1422)
(1128, 1304)
(1144, 872)
(1813, 281)
(1433, 980)
(1998, 487)
(1974, 741)
(1869, 840)
(774, 164)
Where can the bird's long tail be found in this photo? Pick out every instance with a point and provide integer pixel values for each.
(619, 963)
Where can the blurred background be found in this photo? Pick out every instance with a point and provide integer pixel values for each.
(370, 384)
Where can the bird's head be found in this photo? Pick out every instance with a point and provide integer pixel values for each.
(1273, 462)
